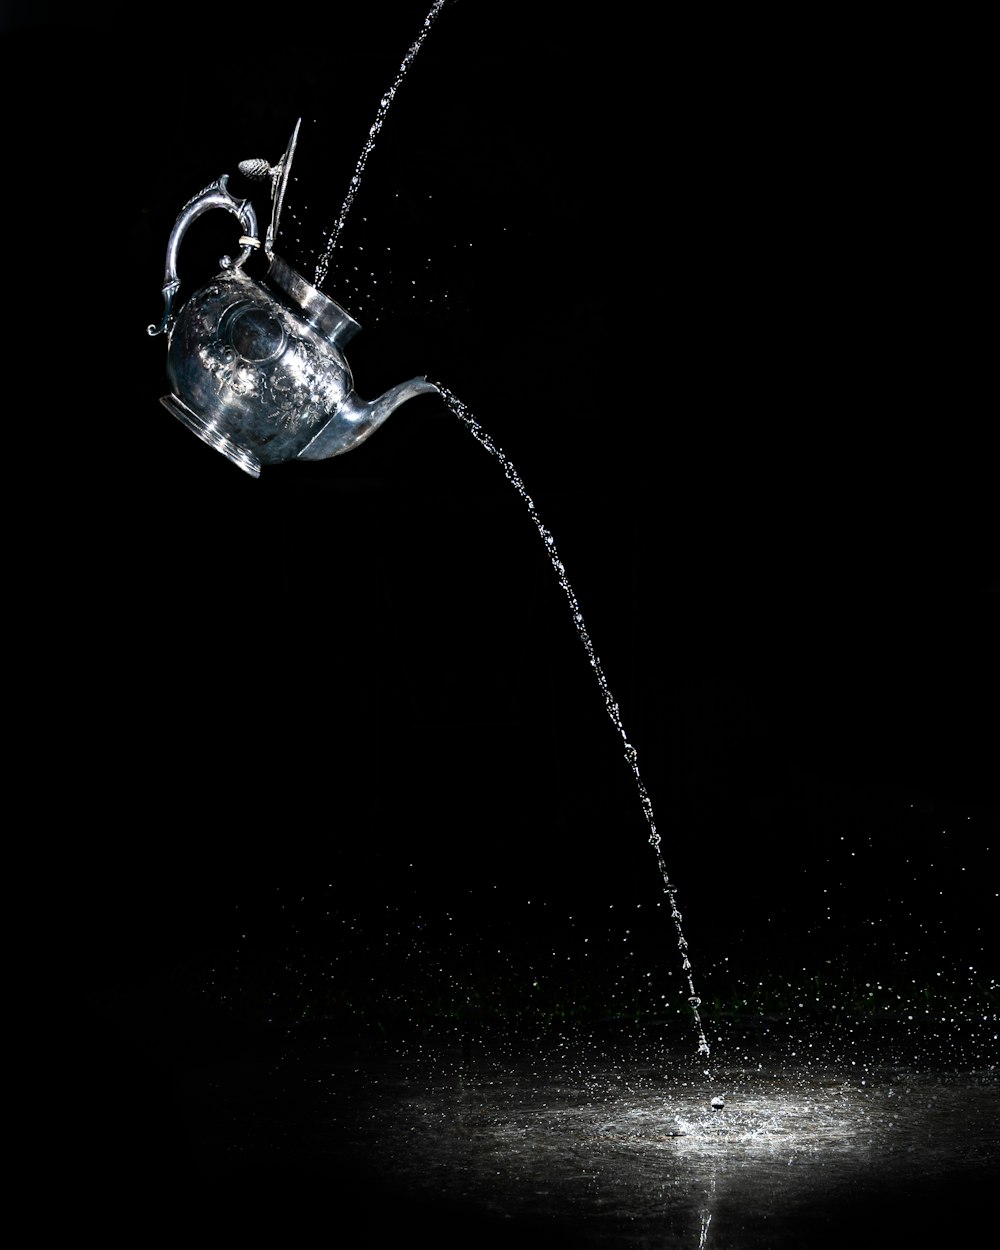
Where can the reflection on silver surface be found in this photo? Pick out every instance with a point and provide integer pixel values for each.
(257, 369)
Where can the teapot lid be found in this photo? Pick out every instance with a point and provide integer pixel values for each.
(279, 182)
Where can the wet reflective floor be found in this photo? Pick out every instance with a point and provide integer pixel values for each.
(604, 1137)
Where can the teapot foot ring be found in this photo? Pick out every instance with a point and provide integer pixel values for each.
(240, 456)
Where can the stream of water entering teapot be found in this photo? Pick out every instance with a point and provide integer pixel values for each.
(323, 265)
(458, 409)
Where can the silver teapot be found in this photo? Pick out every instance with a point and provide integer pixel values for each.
(257, 369)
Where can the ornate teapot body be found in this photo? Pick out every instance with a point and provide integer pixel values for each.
(257, 369)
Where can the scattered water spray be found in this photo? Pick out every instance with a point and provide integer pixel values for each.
(323, 264)
(459, 409)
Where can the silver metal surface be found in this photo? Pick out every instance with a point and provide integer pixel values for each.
(215, 195)
(257, 368)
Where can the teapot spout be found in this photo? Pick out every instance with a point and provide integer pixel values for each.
(355, 420)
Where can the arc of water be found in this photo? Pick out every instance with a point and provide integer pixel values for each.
(323, 265)
(459, 410)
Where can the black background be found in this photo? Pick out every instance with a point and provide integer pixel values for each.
(706, 283)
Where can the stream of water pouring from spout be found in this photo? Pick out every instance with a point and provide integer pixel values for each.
(323, 264)
(459, 409)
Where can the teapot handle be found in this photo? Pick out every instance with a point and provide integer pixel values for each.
(216, 195)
